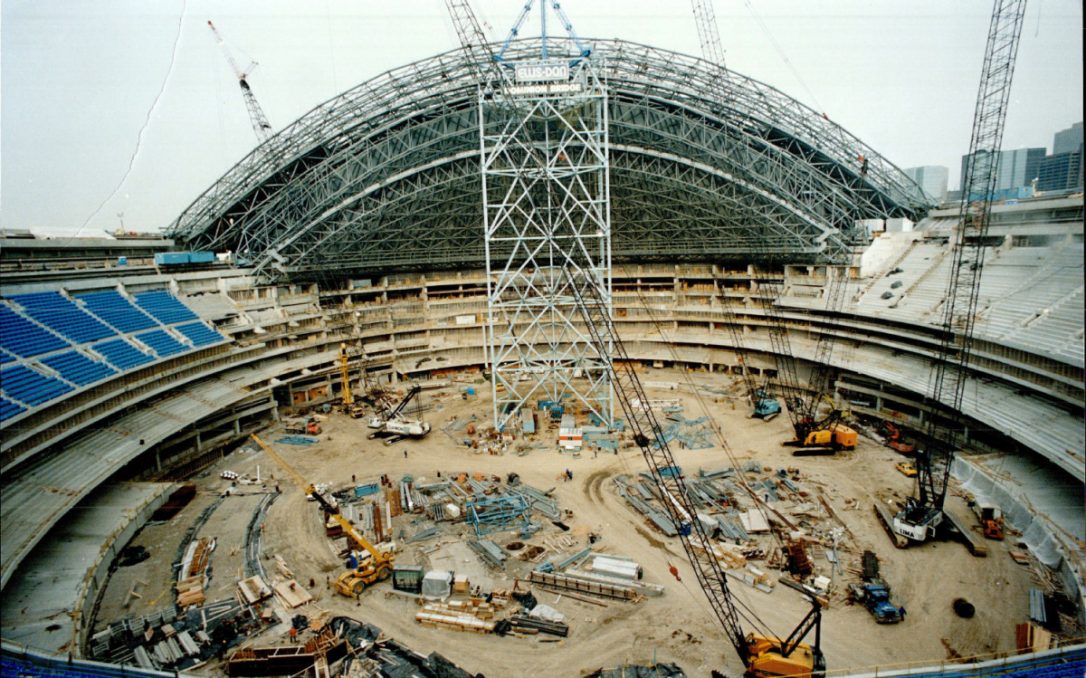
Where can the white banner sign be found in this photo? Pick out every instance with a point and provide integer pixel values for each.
(542, 72)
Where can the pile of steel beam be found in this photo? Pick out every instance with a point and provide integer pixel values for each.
(489, 551)
(522, 622)
(662, 521)
(538, 500)
(495, 514)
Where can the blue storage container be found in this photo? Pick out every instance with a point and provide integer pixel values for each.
(201, 257)
(171, 258)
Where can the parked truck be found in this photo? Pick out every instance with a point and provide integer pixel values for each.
(874, 593)
(875, 596)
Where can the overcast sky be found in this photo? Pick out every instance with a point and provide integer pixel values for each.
(78, 79)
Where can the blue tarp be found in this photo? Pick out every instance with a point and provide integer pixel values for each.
(297, 440)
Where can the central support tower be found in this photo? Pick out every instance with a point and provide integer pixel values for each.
(546, 208)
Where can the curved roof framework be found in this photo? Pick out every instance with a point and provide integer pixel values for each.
(387, 174)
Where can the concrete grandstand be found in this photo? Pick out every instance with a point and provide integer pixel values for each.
(360, 223)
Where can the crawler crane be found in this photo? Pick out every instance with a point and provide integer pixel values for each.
(377, 567)
(393, 426)
(814, 430)
(923, 513)
(763, 655)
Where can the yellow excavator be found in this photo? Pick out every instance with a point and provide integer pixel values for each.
(377, 566)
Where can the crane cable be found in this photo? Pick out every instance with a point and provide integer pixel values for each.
(783, 56)
(146, 121)
(717, 432)
(742, 608)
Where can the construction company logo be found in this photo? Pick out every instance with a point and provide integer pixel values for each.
(541, 72)
(544, 88)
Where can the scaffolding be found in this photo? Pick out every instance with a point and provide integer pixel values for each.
(543, 127)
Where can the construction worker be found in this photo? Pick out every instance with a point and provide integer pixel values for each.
(293, 633)
(405, 454)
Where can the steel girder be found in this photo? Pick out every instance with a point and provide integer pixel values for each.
(386, 175)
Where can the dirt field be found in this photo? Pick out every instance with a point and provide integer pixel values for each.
(678, 626)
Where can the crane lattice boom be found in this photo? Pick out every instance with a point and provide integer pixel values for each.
(924, 512)
(261, 126)
(649, 437)
(708, 31)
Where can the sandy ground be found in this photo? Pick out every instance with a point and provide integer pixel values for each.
(677, 627)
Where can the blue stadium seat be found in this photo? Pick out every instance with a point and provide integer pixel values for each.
(26, 385)
(122, 354)
(165, 307)
(200, 334)
(163, 344)
(117, 311)
(24, 338)
(5, 357)
(9, 409)
(78, 368)
(60, 314)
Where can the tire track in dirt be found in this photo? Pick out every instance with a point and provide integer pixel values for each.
(593, 485)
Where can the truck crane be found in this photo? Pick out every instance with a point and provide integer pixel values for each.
(261, 126)
(762, 654)
(393, 426)
(374, 568)
(923, 513)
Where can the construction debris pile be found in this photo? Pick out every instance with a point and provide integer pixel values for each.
(761, 520)
(172, 640)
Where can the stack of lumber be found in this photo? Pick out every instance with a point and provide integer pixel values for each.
(443, 618)
(292, 594)
(476, 607)
(253, 589)
(190, 591)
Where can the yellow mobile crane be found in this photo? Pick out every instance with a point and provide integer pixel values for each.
(378, 567)
(355, 409)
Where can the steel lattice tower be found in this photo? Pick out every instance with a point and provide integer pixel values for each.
(546, 206)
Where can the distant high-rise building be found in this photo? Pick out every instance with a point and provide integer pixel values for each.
(1067, 140)
(1061, 171)
(1017, 168)
(932, 179)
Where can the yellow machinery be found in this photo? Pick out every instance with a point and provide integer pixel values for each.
(906, 468)
(356, 410)
(840, 437)
(765, 658)
(377, 567)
